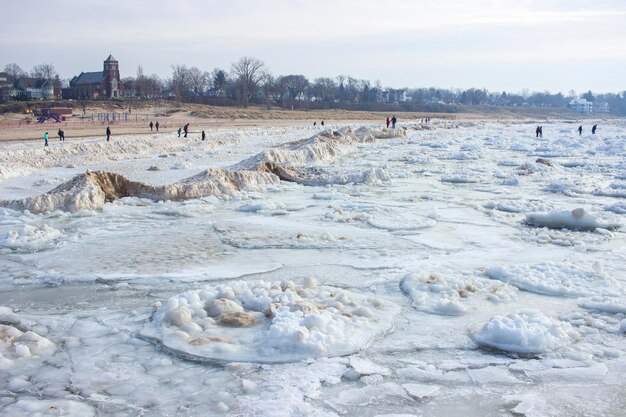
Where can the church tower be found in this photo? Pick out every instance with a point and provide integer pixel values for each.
(111, 83)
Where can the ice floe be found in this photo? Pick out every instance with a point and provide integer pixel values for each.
(268, 322)
(556, 279)
(577, 219)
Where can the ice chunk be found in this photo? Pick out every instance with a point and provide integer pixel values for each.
(577, 219)
(30, 238)
(366, 367)
(420, 391)
(527, 331)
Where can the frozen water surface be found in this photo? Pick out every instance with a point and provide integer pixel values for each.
(458, 268)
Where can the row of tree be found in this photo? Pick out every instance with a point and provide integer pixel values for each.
(250, 80)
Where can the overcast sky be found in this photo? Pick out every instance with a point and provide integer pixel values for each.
(555, 45)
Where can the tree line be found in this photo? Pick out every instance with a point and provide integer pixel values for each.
(249, 80)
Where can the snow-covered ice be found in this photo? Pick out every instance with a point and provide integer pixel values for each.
(448, 268)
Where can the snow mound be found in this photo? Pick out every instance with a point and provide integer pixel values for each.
(452, 296)
(30, 238)
(91, 190)
(16, 344)
(315, 176)
(527, 331)
(49, 408)
(577, 219)
(556, 279)
(268, 322)
(323, 146)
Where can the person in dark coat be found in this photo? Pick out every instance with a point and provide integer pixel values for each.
(322, 123)
(151, 124)
(61, 135)
(157, 126)
(203, 135)
(580, 130)
(179, 129)
(393, 122)
(186, 129)
(540, 131)
(388, 121)
(537, 132)
(108, 133)
(593, 129)
(314, 123)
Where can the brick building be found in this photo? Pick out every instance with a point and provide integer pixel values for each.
(100, 84)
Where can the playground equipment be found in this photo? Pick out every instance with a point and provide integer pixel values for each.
(54, 116)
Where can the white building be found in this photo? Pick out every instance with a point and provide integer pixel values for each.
(581, 105)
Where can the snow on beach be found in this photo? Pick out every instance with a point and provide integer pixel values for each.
(453, 267)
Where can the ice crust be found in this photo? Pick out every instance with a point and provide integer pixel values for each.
(16, 345)
(28, 238)
(452, 295)
(556, 279)
(261, 321)
(91, 190)
(527, 331)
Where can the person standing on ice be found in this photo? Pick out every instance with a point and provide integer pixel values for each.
(157, 126)
(151, 125)
(45, 139)
(203, 135)
(580, 130)
(537, 132)
(388, 121)
(186, 129)
(61, 135)
(108, 133)
(593, 129)
(322, 123)
(393, 121)
(179, 129)
(314, 124)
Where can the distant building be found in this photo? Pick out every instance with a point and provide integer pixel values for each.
(104, 84)
(581, 105)
(395, 96)
(601, 107)
(34, 88)
(7, 89)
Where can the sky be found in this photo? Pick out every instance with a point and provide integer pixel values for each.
(500, 45)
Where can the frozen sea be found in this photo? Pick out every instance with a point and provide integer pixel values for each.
(460, 268)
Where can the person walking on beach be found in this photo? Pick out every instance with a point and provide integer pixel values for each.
(393, 122)
(593, 129)
(580, 130)
(322, 123)
(61, 135)
(157, 126)
(537, 132)
(45, 139)
(179, 129)
(203, 135)
(186, 129)
(314, 124)
(388, 121)
(108, 133)
(151, 125)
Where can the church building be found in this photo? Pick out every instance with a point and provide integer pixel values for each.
(104, 84)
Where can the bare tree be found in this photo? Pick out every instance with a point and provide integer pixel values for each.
(295, 84)
(198, 81)
(14, 71)
(140, 82)
(46, 71)
(180, 82)
(249, 73)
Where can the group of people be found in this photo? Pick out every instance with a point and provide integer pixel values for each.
(593, 129)
(321, 123)
(391, 121)
(185, 129)
(154, 125)
(425, 119)
(539, 132)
